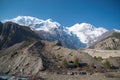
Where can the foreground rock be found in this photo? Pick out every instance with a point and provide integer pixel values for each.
(20, 61)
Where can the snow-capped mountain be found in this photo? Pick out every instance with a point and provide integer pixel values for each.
(87, 33)
(50, 30)
(35, 23)
(76, 36)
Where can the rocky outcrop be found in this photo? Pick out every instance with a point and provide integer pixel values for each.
(11, 33)
(15, 56)
(20, 61)
(112, 42)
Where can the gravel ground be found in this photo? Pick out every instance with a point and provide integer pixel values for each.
(54, 76)
(96, 76)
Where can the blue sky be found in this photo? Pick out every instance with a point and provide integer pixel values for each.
(105, 13)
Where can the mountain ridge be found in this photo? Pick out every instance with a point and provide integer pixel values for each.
(108, 42)
(83, 33)
(8, 36)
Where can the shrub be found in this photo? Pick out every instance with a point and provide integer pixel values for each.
(76, 62)
(95, 57)
(98, 58)
(64, 63)
(107, 64)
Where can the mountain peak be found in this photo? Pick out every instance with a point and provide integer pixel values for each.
(86, 25)
(86, 32)
(35, 23)
(81, 27)
(28, 19)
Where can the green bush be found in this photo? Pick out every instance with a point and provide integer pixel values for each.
(95, 58)
(64, 63)
(98, 58)
(107, 64)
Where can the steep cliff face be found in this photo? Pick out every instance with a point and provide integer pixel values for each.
(112, 42)
(66, 40)
(18, 60)
(11, 33)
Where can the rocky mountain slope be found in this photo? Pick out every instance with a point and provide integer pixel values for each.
(36, 57)
(77, 36)
(12, 33)
(110, 42)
